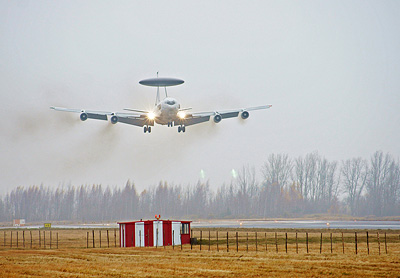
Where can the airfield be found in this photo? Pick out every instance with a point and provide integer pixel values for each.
(249, 252)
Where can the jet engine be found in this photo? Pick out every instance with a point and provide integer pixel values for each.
(83, 116)
(245, 115)
(114, 120)
(217, 118)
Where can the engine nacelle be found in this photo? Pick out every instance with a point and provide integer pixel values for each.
(245, 115)
(114, 120)
(217, 118)
(83, 116)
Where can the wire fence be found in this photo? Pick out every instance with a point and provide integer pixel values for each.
(364, 242)
(62, 238)
(334, 242)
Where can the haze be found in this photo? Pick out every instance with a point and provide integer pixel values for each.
(329, 68)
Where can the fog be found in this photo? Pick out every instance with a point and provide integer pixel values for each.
(330, 70)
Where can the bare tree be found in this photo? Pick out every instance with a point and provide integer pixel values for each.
(305, 171)
(247, 189)
(354, 177)
(278, 169)
(380, 167)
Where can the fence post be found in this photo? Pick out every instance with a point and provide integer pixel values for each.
(266, 243)
(227, 241)
(297, 245)
(108, 240)
(286, 242)
(50, 239)
(191, 239)
(355, 235)
(173, 239)
(31, 238)
(93, 238)
(23, 238)
(247, 242)
(100, 238)
(11, 240)
(367, 243)
(44, 239)
(331, 244)
(307, 241)
(17, 239)
(343, 242)
(209, 240)
(4, 239)
(385, 244)
(87, 239)
(379, 243)
(217, 242)
(57, 240)
(276, 242)
(320, 245)
(115, 237)
(201, 238)
(256, 242)
(40, 240)
(237, 242)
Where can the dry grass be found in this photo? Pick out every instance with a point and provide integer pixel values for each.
(73, 259)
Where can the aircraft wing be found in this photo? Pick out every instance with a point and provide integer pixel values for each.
(229, 113)
(137, 118)
(200, 117)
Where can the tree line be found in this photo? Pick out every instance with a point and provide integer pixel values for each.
(290, 187)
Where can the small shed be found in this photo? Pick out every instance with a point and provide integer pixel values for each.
(154, 233)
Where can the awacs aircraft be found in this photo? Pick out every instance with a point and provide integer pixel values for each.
(166, 112)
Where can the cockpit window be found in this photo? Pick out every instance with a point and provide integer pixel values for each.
(170, 102)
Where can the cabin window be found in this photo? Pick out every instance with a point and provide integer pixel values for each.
(185, 228)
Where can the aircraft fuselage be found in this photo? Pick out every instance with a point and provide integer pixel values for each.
(166, 111)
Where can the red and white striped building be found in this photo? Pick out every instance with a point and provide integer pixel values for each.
(154, 233)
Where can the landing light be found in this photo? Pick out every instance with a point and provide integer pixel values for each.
(181, 114)
(151, 116)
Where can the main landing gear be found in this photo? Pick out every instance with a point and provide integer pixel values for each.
(181, 128)
(147, 128)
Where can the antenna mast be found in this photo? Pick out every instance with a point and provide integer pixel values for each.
(158, 93)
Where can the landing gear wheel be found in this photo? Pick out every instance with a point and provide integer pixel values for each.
(179, 129)
(183, 128)
(145, 129)
(149, 129)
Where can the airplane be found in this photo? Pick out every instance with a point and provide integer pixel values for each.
(166, 112)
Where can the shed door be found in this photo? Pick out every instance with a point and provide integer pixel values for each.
(176, 233)
(122, 235)
(158, 233)
(139, 234)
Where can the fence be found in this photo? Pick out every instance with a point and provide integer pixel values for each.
(364, 242)
(55, 239)
(361, 242)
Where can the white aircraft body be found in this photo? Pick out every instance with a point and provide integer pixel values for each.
(166, 112)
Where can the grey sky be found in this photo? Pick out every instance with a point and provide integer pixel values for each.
(329, 68)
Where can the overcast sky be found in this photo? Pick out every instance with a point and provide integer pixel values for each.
(331, 70)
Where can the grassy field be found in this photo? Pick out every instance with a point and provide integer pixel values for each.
(73, 259)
